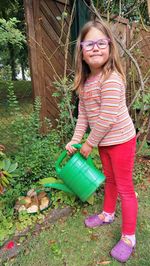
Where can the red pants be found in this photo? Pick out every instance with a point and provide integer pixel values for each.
(118, 163)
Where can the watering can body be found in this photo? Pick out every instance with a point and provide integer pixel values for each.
(79, 174)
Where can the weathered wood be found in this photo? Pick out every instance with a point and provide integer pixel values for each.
(46, 51)
(63, 1)
(30, 24)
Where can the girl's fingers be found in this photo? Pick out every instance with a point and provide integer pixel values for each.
(70, 149)
(73, 150)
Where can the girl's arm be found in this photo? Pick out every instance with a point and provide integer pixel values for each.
(80, 129)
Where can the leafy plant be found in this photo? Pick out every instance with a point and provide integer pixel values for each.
(35, 153)
(66, 121)
(9, 33)
(142, 117)
(12, 42)
(50, 180)
(61, 198)
(38, 159)
(56, 250)
(7, 172)
(143, 101)
(6, 228)
(13, 104)
(26, 130)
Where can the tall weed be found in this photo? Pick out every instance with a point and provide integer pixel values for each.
(66, 106)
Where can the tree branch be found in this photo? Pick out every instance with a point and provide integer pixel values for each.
(67, 38)
(125, 50)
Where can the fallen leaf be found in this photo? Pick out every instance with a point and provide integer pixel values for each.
(85, 212)
(94, 237)
(51, 242)
(106, 262)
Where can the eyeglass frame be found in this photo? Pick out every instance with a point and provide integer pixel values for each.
(95, 42)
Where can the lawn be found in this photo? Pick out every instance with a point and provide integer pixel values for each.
(68, 242)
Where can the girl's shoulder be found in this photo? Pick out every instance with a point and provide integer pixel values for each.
(114, 77)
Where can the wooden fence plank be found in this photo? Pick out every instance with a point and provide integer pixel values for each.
(30, 24)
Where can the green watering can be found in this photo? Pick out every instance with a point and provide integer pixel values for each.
(79, 175)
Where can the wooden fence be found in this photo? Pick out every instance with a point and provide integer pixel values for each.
(46, 48)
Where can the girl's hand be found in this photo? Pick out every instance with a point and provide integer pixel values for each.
(86, 149)
(70, 148)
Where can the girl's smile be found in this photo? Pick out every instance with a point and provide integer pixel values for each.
(95, 57)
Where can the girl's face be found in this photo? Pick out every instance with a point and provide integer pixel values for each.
(95, 54)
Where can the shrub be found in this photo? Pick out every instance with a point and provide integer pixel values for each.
(34, 152)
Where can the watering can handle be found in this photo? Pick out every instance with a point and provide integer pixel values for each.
(64, 154)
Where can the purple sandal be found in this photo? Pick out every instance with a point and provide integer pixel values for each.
(122, 251)
(95, 220)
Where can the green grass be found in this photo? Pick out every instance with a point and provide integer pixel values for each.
(68, 242)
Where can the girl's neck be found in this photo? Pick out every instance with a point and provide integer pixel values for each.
(94, 75)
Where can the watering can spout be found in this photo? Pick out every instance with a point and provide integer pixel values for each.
(62, 187)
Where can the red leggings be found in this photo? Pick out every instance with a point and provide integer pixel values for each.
(118, 163)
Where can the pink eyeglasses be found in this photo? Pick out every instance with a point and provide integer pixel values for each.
(101, 44)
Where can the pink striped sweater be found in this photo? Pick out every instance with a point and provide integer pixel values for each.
(102, 107)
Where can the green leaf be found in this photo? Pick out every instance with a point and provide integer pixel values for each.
(50, 180)
(12, 167)
(7, 164)
(1, 165)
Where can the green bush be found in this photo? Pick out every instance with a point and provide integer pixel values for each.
(22, 89)
(37, 160)
(34, 152)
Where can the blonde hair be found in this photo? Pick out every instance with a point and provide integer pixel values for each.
(82, 70)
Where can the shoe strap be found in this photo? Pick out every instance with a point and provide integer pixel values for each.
(101, 216)
(105, 218)
(127, 241)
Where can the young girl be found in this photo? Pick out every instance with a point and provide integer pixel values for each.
(100, 82)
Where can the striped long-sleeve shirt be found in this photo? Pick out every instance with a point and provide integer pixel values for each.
(102, 107)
